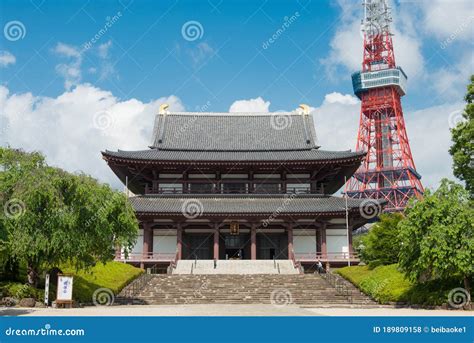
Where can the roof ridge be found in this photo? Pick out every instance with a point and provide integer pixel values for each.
(230, 114)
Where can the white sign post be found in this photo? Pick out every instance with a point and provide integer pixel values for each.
(64, 291)
(46, 290)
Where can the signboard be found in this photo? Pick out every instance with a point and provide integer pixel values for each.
(234, 228)
(46, 290)
(64, 292)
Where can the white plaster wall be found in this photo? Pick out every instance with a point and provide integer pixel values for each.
(138, 248)
(304, 244)
(164, 244)
(336, 244)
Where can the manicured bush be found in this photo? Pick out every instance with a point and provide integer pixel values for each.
(387, 284)
(112, 275)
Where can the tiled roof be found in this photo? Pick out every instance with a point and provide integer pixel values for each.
(234, 132)
(245, 204)
(275, 156)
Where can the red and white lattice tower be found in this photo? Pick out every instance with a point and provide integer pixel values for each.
(388, 171)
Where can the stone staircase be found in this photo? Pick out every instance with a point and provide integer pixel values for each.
(232, 267)
(277, 289)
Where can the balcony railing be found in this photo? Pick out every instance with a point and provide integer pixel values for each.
(146, 257)
(214, 190)
(330, 256)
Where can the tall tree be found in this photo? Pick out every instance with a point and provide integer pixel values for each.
(462, 149)
(52, 217)
(437, 240)
(381, 245)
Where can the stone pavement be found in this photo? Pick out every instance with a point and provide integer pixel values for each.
(224, 310)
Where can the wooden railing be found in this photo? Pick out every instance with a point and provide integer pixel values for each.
(146, 257)
(216, 190)
(330, 256)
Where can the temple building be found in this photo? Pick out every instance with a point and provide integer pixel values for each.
(239, 186)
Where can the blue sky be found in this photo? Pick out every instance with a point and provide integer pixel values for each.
(144, 56)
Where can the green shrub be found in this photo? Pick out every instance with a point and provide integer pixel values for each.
(388, 284)
(112, 275)
(19, 290)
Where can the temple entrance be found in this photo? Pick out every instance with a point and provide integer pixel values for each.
(272, 246)
(236, 247)
(197, 245)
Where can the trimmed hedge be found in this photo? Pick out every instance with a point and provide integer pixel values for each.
(113, 275)
(387, 284)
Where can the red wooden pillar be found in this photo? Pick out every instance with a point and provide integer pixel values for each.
(179, 242)
(290, 242)
(147, 240)
(253, 242)
(324, 250)
(318, 242)
(216, 242)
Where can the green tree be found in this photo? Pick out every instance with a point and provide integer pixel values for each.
(462, 149)
(52, 217)
(437, 236)
(381, 245)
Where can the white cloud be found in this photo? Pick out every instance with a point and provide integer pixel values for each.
(337, 123)
(443, 18)
(430, 139)
(346, 45)
(70, 71)
(104, 49)
(345, 99)
(73, 128)
(449, 82)
(252, 105)
(202, 52)
(6, 58)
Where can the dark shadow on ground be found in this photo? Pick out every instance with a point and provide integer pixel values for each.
(13, 312)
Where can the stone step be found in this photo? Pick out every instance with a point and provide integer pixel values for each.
(235, 267)
(307, 289)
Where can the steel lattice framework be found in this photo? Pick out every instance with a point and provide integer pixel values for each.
(388, 172)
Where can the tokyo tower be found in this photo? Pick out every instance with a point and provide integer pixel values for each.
(388, 172)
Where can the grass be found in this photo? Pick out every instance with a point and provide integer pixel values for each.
(387, 284)
(112, 275)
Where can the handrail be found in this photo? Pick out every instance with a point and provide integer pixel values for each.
(338, 284)
(146, 256)
(139, 283)
(296, 264)
(334, 256)
(278, 264)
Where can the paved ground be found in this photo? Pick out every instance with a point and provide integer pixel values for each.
(224, 310)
